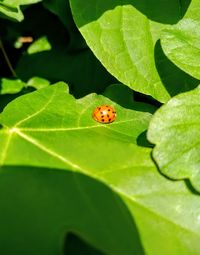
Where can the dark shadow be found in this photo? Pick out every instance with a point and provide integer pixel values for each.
(79, 68)
(74, 245)
(124, 96)
(6, 99)
(191, 188)
(167, 12)
(142, 140)
(33, 26)
(174, 79)
(139, 97)
(158, 169)
(38, 206)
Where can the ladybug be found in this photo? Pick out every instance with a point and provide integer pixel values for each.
(104, 114)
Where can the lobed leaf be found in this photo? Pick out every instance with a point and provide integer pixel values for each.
(88, 178)
(175, 131)
(11, 86)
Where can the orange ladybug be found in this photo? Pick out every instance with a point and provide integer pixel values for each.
(104, 114)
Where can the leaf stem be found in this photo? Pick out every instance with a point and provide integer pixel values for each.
(7, 59)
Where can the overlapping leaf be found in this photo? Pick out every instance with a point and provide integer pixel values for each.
(124, 35)
(11, 9)
(58, 132)
(181, 45)
(180, 42)
(175, 131)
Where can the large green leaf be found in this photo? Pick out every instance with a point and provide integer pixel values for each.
(124, 37)
(73, 117)
(11, 9)
(175, 129)
(64, 172)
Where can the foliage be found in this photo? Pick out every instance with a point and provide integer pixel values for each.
(71, 185)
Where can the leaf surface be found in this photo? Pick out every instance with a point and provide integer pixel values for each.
(11, 86)
(124, 35)
(181, 45)
(175, 128)
(123, 200)
(11, 9)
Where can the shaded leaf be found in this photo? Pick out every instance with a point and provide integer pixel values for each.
(58, 64)
(62, 9)
(49, 204)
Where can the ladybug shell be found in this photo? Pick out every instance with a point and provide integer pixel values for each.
(104, 114)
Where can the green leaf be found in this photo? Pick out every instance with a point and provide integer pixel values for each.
(11, 9)
(175, 131)
(71, 115)
(123, 36)
(41, 44)
(181, 45)
(10, 12)
(11, 86)
(38, 83)
(49, 204)
(77, 175)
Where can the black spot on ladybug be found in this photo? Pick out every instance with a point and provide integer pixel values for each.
(103, 120)
(101, 112)
(108, 115)
(109, 119)
(99, 108)
(108, 109)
